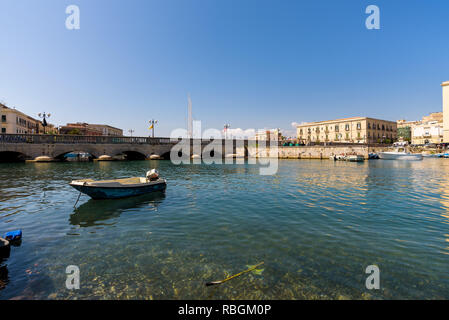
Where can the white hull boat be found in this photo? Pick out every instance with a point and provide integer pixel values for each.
(400, 156)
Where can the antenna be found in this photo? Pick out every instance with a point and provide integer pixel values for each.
(189, 124)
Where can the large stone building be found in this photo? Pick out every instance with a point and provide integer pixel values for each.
(268, 135)
(445, 86)
(87, 129)
(107, 130)
(348, 130)
(428, 131)
(13, 121)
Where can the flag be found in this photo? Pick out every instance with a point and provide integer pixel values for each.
(151, 127)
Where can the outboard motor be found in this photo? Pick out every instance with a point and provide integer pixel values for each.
(152, 175)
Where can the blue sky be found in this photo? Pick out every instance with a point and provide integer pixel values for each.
(253, 64)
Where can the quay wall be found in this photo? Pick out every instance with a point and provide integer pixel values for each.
(316, 152)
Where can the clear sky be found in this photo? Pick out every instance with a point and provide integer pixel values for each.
(250, 63)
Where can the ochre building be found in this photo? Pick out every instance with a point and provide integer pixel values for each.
(348, 130)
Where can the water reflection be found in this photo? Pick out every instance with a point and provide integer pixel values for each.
(316, 224)
(4, 279)
(97, 212)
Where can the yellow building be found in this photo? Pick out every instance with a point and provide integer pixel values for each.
(13, 121)
(348, 130)
(445, 86)
(268, 135)
(428, 130)
(107, 130)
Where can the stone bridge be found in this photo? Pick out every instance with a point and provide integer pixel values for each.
(27, 146)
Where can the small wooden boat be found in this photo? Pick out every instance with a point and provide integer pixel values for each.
(5, 248)
(120, 188)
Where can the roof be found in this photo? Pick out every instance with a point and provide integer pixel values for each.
(341, 120)
(105, 125)
(20, 112)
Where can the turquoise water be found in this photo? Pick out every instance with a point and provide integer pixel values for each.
(316, 224)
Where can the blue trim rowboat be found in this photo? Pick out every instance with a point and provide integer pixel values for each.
(118, 188)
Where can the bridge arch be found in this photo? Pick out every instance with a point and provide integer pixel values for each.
(134, 155)
(61, 155)
(13, 156)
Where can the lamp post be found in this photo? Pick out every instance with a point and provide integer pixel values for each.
(226, 127)
(44, 116)
(131, 131)
(152, 123)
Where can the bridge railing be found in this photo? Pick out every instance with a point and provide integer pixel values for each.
(75, 139)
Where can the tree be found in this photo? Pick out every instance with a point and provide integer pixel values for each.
(74, 132)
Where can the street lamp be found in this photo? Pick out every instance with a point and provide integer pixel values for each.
(152, 123)
(131, 132)
(226, 127)
(44, 121)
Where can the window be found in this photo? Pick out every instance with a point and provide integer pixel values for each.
(369, 125)
(383, 127)
(317, 129)
(3, 130)
(347, 136)
(300, 131)
(359, 126)
(347, 127)
(3, 118)
(337, 128)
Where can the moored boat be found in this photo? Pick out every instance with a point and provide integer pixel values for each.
(350, 157)
(400, 154)
(121, 188)
(355, 158)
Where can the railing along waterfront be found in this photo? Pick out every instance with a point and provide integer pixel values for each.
(74, 139)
